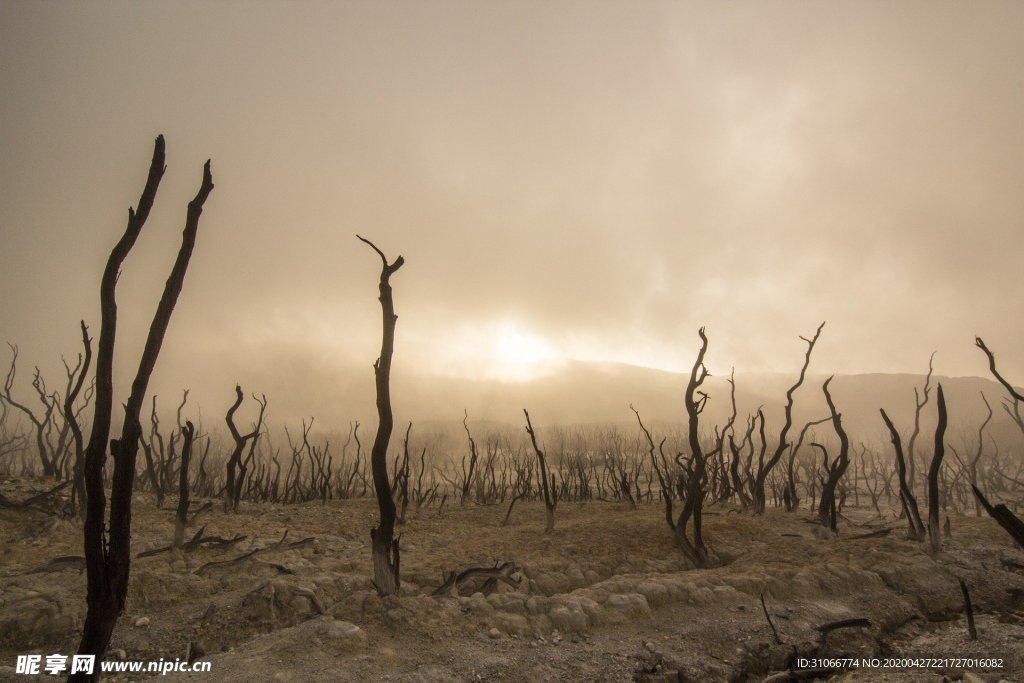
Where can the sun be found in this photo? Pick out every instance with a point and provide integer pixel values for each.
(502, 349)
(516, 353)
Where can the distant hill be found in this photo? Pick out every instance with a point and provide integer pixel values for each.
(581, 392)
(588, 392)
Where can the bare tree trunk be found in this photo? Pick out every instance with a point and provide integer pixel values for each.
(916, 532)
(188, 432)
(834, 471)
(385, 545)
(550, 493)
(467, 477)
(765, 468)
(1006, 519)
(235, 470)
(693, 486)
(934, 536)
(78, 487)
(108, 557)
(1017, 397)
(42, 425)
(919, 404)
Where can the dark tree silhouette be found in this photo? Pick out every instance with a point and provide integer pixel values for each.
(467, 475)
(909, 502)
(71, 419)
(107, 553)
(934, 537)
(548, 489)
(765, 468)
(385, 545)
(43, 423)
(920, 401)
(692, 482)
(1012, 409)
(835, 470)
(188, 433)
(236, 469)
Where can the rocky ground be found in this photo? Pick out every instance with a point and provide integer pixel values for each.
(606, 597)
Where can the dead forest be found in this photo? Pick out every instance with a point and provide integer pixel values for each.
(70, 457)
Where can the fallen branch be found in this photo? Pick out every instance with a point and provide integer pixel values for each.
(871, 534)
(197, 540)
(859, 622)
(195, 515)
(493, 575)
(36, 500)
(57, 564)
(1006, 519)
(775, 634)
(252, 553)
(971, 630)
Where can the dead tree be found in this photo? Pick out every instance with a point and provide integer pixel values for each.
(548, 489)
(934, 537)
(467, 476)
(1013, 410)
(108, 554)
(970, 466)
(692, 482)
(10, 443)
(740, 480)
(71, 419)
(67, 452)
(401, 486)
(1006, 519)
(43, 423)
(726, 481)
(385, 545)
(188, 433)
(765, 468)
(152, 470)
(835, 470)
(920, 401)
(235, 467)
(907, 499)
(790, 498)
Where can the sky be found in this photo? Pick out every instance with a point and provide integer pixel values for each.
(568, 180)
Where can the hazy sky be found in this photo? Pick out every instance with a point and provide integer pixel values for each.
(565, 179)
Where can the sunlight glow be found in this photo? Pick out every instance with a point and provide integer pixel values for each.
(502, 349)
(518, 354)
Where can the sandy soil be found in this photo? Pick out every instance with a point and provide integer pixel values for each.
(606, 597)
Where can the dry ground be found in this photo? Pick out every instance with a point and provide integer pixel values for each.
(606, 597)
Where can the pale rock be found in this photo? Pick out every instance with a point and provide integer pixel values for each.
(342, 636)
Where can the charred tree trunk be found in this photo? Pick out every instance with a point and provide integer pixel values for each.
(42, 425)
(548, 489)
(188, 433)
(834, 471)
(78, 486)
(934, 537)
(664, 478)
(108, 556)
(916, 532)
(385, 545)
(920, 401)
(765, 468)
(791, 498)
(235, 469)
(1012, 410)
(694, 400)
(467, 477)
(1006, 519)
